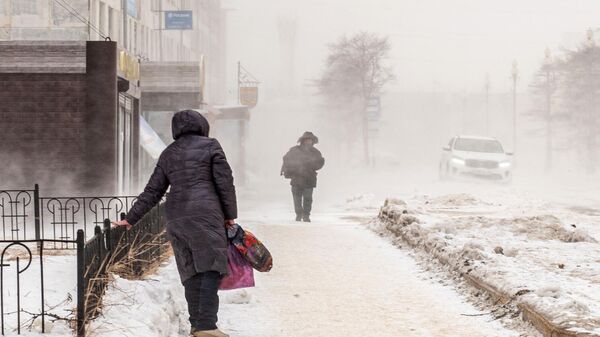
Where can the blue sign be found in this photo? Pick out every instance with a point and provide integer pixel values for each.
(132, 9)
(179, 20)
(374, 109)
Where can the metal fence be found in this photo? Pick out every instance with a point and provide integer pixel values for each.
(125, 252)
(23, 263)
(61, 217)
(19, 210)
(30, 222)
(25, 215)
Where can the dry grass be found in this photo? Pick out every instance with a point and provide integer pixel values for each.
(130, 261)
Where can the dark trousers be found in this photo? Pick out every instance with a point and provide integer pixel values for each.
(203, 301)
(303, 199)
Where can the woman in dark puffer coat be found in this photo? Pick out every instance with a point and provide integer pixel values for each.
(199, 206)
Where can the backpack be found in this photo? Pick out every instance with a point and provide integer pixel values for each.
(290, 164)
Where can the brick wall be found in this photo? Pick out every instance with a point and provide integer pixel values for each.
(41, 130)
(53, 130)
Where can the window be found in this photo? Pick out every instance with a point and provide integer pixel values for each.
(102, 21)
(125, 143)
(24, 7)
(135, 38)
(143, 41)
(111, 23)
(478, 145)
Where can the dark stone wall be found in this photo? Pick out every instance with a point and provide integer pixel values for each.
(41, 130)
(101, 118)
(57, 126)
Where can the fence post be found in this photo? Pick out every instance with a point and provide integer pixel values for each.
(81, 286)
(36, 211)
(107, 235)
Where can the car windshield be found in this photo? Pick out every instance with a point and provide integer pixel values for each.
(478, 145)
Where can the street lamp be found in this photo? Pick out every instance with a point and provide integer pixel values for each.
(487, 103)
(549, 88)
(515, 77)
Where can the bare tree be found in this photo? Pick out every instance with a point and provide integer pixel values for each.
(580, 94)
(354, 73)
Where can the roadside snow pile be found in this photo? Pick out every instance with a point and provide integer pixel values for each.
(454, 200)
(534, 259)
(362, 202)
(153, 307)
(545, 227)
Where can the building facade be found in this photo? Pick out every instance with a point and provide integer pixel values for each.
(50, 94)
(140, 27)
(46, 48)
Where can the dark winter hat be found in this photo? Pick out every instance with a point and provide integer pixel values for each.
(189, 122)
(308, 135)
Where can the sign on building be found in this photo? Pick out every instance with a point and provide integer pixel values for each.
(247, 87)
(179, 20)
(129, 66)
(249, 96)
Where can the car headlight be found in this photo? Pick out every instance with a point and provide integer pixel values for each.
(458, 161)
(504, 164)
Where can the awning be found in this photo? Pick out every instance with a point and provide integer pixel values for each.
(150, 140)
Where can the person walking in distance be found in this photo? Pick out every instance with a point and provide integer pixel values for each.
(301, 164)
(200, 205)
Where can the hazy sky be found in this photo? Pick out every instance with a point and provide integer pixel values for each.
(437, 44)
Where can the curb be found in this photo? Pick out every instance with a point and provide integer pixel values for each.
(538, 320)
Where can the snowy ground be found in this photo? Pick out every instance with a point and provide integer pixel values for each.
(535, 238)
(334, 277)
(331, 278)
(60, 284)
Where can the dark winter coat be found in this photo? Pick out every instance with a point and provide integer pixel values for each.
(202, 196)
(301, 164)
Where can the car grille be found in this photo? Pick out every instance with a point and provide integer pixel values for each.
(487, 164)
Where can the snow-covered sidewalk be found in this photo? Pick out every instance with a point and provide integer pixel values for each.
(330, 278)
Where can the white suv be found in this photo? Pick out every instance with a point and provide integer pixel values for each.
(477, 157)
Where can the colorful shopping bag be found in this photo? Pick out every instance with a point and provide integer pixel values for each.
(251, 248)
(240, 273)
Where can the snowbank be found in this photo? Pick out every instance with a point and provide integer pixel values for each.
(60, 285)
(153, 307)
(532, 257)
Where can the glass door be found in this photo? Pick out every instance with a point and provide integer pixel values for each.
(124, 144)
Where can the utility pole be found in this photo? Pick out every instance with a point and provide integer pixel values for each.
(239, 81)
(463, 126)
(365, 123)
(515, 77)
(487, 104)
(160, 30)
(549, 88)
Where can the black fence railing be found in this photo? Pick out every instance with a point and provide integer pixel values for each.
(19, 210)
(62, 217)
(125, 252)
(33, 223)
(25, 215)
(19, 261)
